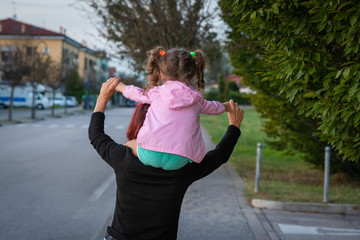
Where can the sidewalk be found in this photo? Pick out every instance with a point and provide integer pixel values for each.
(22, 115)
(216, 208)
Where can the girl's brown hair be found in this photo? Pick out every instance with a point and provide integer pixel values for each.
(175, 64)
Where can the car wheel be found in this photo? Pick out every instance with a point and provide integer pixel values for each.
(40, 106)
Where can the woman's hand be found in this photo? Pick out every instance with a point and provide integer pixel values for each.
(235, 114)
(106, 92)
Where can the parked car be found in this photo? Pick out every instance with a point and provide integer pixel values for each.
(71, 101)
(60, 101)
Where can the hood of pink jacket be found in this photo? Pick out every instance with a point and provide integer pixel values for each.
(177, 95)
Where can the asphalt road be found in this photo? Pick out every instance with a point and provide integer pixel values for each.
(53, 184)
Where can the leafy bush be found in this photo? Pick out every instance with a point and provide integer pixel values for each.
(311, 50)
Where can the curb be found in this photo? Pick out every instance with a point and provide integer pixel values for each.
(257, 228)
(329, 208)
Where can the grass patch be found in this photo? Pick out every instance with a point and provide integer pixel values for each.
(283, 177)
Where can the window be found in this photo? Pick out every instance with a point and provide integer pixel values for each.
(29, 51)
(4, 56)
(46, 51)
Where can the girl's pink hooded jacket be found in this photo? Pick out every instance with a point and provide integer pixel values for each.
(172, 123)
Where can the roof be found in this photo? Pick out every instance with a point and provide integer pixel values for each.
(233, 78)
(11, 26)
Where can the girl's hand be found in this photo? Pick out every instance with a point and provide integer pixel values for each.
(120, 87)
(227, 106)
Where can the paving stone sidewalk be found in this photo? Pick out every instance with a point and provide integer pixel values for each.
(215, 208)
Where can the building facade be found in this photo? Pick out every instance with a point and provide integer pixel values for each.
(62, 50)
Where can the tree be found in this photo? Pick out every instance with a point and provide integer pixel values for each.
(221, 88)
(55, 79)
(138, 26)
(15, 68)
(40, 65)
(302, 51)
(74, 85)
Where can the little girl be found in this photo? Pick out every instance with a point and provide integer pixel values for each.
(170, 136)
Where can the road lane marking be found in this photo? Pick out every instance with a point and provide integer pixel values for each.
(22, 125)
(310, 230)
(37, 125)
(69, 125)
(94, 197)
(100, 190)
(53, 125)
(84, 126)
(120, 127)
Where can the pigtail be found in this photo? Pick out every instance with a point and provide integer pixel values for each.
(152, 67)
(200, 67)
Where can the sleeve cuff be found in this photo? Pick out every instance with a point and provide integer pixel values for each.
(234, 130)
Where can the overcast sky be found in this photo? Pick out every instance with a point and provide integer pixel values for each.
(53, 14)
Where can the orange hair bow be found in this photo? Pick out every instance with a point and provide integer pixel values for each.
(162, 52)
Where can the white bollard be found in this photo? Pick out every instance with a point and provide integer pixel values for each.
(258, 165)
(326, 174)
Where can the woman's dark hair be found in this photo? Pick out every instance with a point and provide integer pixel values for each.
(137, 120)
(175, 64)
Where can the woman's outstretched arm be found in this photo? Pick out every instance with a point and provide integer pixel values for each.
(215, 158)
(106, 147)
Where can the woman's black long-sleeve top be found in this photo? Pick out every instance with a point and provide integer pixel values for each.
(148, 200)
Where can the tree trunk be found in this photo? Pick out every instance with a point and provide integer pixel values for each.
(33, 103)
(53, 103)
(65, 106)
(11, 102)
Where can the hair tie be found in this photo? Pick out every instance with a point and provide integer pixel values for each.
(193, 54)
(138, 104)
(162, 52)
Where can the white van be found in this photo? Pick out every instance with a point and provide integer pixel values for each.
(22, 97)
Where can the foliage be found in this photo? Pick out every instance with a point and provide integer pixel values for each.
(225, 91)
(313, 50)
(221, 88)
(283, 177)
(74, 85)
(140, 25)
(24, 63)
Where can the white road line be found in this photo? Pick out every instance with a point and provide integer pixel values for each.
(37, 125)
(100, 190)
(22, 125)
(94, 197)
(85, 126)
(310, 230)
(53, 125)
(70, 126)
(120, 127)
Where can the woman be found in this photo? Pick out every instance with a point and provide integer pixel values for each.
(148, 199)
